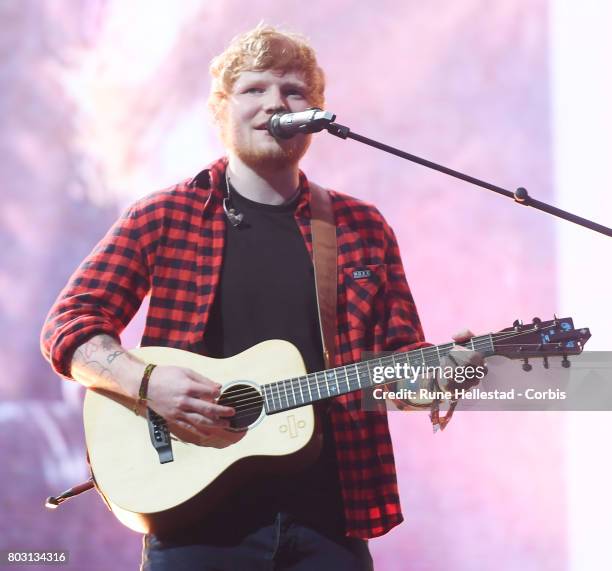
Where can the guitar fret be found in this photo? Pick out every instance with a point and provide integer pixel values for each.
(308, 387)
(318, 387)
(271, 396)
(292, 391)
(337, 383)
(486, 342)
(428, 356)
(369, 371)
(300, 387)
(284, 382)
(357, 372)
(431, 357)
(329, 388)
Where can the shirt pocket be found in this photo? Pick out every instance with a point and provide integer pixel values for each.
(364, 293)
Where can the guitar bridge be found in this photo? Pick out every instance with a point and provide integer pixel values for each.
(160, 436)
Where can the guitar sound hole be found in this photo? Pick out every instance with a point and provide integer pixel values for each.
(247, 401)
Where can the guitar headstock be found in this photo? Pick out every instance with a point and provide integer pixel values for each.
(557, 337)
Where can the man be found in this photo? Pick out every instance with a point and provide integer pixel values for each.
(226, 258)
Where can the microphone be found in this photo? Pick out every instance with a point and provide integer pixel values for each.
(285, 125)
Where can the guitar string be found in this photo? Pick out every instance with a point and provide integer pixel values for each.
(253, 403)
(433, 350)
(243, 404)
(303, 382)
(250, 405)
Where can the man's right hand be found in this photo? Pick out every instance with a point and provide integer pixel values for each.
(185, 399)
(188, 400)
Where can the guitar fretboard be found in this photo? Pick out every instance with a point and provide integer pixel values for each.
(292, 393)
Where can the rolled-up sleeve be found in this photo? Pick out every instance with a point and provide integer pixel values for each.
(103, 294)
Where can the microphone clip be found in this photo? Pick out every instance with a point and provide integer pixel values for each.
(232, 214)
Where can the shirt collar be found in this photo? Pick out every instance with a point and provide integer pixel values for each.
(213, 178)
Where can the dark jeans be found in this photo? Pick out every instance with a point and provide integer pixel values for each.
(284, 545)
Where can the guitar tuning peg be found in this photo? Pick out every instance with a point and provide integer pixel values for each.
(517, 324)
(536, 321)
(526, 366)
(565, 363)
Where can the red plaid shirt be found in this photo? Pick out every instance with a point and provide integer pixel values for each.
(170, 244)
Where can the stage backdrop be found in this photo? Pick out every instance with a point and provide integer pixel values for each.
(104, 101)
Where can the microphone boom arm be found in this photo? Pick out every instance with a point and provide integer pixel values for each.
(520, 196)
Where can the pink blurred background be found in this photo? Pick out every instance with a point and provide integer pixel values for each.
(104, 101)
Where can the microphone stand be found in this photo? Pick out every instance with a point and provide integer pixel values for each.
(520, 196)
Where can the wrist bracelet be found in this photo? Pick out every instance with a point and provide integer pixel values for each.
(144, 386)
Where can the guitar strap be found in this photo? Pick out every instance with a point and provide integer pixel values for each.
(325, 261)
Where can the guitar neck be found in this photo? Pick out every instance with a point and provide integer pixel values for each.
(307, 389)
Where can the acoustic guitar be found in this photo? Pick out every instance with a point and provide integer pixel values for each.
(157, 481)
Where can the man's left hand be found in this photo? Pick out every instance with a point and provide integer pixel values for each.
(465, 362)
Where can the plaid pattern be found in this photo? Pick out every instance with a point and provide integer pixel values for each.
(170, 244)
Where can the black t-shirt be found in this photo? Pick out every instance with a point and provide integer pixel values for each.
(266, 288)
(267, 291)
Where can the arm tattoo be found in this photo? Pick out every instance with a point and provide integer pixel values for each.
(94, 355)
(110, 358)
(88, 349)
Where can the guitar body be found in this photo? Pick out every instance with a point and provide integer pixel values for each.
(151, 497)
